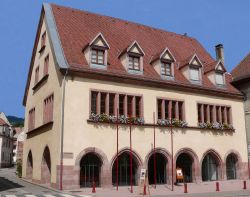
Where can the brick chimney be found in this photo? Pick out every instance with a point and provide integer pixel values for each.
(219, 49)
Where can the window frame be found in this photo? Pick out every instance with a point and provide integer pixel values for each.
(191, 67)
(117, 100)
(164, 63)
(48, 109)
(223, 78)
(97, 50)
(217, 113)
(176, 109)
(134, 56)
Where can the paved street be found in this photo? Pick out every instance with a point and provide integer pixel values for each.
(11, 186)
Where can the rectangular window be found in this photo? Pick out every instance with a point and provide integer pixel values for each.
(137, 106)
(194, 74)
(167, 115)
(48, 109)
(170, 106)
(31, 123)
(97, 56)
(36, 75)
(219, 79)
(222, 114)
(46, 65)
(121, 105)
(112, 104)
(103, 103)
(129, 105)
(43, 39)
(159, 107)
(166, 69)
(94, 102)
(134, 63)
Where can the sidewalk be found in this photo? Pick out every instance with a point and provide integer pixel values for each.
(165, 190)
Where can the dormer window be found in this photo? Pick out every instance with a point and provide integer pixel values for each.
(216, 73)
(96, 52)
(164, 64)
(134, 63)
(195, 70)
(194, 73)
(166, 69)
(219, 79)
(97, 56)
(132, 58)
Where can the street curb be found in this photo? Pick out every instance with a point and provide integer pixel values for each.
(50, 188)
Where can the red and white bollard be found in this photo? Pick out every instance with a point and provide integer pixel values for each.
(244, 185)
(93, 187)
(217, 186)
(185, 188)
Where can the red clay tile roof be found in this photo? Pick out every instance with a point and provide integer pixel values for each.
(242, 70)
(77, 28)
(2, 122)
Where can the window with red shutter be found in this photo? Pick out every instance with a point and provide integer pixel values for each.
(46, 65)
(48, 109)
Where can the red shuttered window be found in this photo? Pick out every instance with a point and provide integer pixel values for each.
(48, 109)
(31, 123)
(46, 65)
(36, 75)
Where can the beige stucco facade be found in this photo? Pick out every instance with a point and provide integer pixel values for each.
(82, 136)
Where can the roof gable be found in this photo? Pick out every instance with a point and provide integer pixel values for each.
(135, 48)
(167, 55)
(99, 40)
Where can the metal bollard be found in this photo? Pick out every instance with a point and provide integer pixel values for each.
(93, 187)
(144, 190)
(217, 186)
(244, 185)
(185, 188)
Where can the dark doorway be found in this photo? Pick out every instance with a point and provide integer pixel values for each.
(90, 168)
(46, 167)
(231, 162)
(185, 162)
(29, 167)
(209, 168)
(161, 169)
(124, 170)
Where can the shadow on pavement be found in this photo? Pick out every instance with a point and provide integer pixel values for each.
(6, 184)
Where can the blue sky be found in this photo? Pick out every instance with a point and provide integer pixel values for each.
(210, 21)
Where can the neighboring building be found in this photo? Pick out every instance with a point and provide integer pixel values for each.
(19, 137)
(6, 142)
(86, 69)
(241, 80)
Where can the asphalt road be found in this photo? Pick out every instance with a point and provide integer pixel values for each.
(12, 186)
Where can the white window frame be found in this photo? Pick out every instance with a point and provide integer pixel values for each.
(199, 73)
(223, 78)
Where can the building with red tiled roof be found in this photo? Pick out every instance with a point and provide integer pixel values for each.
(96, 79)
(241, 80)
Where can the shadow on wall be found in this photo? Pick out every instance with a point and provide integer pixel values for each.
(6, 184)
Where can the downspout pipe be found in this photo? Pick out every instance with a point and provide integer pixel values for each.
(62, 129)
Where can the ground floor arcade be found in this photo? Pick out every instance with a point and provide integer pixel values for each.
(92, 165)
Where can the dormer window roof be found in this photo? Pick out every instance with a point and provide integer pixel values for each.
(220, 74)
(96, 52)
(99, 41)
(135, 49)
(195, 69)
